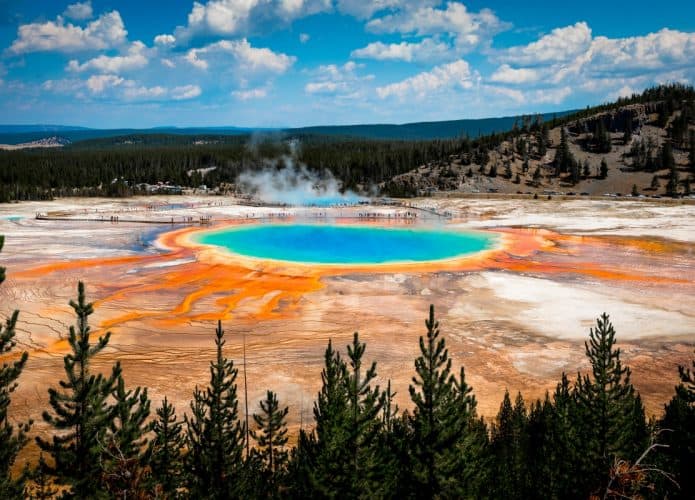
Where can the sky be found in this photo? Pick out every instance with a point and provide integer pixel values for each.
(285, 63)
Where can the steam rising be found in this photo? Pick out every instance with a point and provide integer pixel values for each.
(296, 185)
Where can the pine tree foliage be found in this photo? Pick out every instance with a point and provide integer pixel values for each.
(271, 439)
(215, 435)
(165, 452)
(125, 443)
(81, 413)
(439, 419)
(678, 435)
(331, 471)
(11, 440)
(41, 486)
(608, 404)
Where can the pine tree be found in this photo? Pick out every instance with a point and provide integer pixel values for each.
(603, 172)
(471, 459)
(325, 448)
(439, 418)
(81, 412)
(510, 445)
(165, 452)
(678, 434)
(602, 140)
(271, 439)
(41, 487)
(364, 407)
(125, 443)
(11, 441)
(655, 182)
(609, 407)
(215, 436)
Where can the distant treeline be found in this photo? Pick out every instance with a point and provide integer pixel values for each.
(113, 166)
(588, 439)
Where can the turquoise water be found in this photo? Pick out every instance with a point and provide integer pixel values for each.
(338, 244)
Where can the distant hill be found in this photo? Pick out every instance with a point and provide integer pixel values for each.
(23, 129)
(17, 134)
(424, 130)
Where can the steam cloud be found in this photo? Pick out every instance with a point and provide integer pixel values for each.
(296, 185)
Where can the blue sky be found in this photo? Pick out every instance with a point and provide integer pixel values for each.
(275, 63)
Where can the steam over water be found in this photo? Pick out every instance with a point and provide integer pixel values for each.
(296, 185)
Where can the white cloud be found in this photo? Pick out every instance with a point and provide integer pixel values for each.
(362, 9)
(661, 50)
(452, 75)
(107, 31)
(245, 95)
(468, 28)
(98, 83)
(165, 40)
(132, 91)
(134, 59)
(426, 50)
(333, 79)
(185, 92)
(168, 63)
(550, 95)
(570, 55)
(561, 44)
(240, 17)
(114, 87)
(248, 58)
(79, 11)
(324, 87)
(507, 74)
(304, 37)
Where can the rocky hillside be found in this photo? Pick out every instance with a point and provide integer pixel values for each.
(643, 146)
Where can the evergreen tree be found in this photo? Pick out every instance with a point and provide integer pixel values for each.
(627, 133)
(543, 141)
(439, 419)
(673, 180)
(510, 445)
(613, 416)
(563, 156)
(11, 441)
(165, 452)
(537, 174)
(81, 412)
(603, 172)
(678, 434)
(271, 439)
(667, 160)
(602, 140)
(586, 173)
(655, 182)
(41, 487)
(125, 444)
(691, 152)
(325, 448)
(215, 436)
(635, 192)
(364, 407)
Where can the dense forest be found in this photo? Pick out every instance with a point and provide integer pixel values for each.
(114, 166)
(588, 439)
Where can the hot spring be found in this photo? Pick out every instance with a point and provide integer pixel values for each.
(347, 244)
